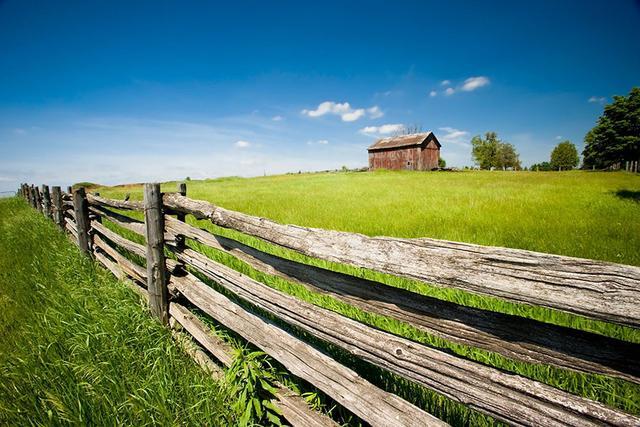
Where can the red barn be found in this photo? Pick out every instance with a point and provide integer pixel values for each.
(418, 151)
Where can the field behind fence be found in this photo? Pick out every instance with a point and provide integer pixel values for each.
(176, 280)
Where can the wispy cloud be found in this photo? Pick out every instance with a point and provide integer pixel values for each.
(454, 136)
(598, 99)
(469, 85)
(277, 118)
(344, 110)
(242, 144)
(473, 83)
(382, 130)
(19, 131)
(559, 137)
(318, 142)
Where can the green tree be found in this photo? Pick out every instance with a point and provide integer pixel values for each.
(544, 166)
(616, 136)
(564, 156)
(492, 152)
(442, 163)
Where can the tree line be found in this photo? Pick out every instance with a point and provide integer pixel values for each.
(614, 140)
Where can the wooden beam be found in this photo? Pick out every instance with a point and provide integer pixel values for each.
(81, 211)
(156, 267)
(46, 202)
(377, 407)
(506, 397)
(293, 406)
(595, 289)
(121, 220)
(58, 209)
(118, 204)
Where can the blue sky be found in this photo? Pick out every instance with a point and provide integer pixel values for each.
(115, 92)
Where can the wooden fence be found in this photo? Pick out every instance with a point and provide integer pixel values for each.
(593, 289)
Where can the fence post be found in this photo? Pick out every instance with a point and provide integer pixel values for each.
(38, 199)
(156, 268)
(32, 196)
(182, 189)
(69, 190)
(46, 201)
(81, 210)
(56, 200)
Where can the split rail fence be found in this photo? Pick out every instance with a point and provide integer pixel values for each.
(593, 289)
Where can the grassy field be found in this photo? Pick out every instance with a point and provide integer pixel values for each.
(584, 214)
(593, 215)
(78, 348)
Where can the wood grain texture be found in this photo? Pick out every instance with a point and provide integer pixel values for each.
(121, 220)
(375, 406)
(81, 213)
(293, 406)
(118, 204)
(156, 266)
(514, 337)
(46, 202)
(510, 398)
(595, 289)
(132, 269)
(58, 210)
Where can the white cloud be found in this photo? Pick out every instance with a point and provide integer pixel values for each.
(473, 83)
(242, 144)
(453, 136)
(277, 118)
(352, 116)
(598, 99)
(382, 130)
(375, 112)
(433, 93)
(449, 91)
(318, 142)
(445, 83)
(344, 110)
(559, 137)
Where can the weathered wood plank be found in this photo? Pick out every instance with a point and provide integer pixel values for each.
(81, 212)
(595, 289)
(56, 201)
(127, 244)
(377, 407)
(294, 407)
(156, 266)
(121, 220)
(38, 199)
(514, 337)
(132, 269)
(118, 204)
(509, 398)
(46, 201)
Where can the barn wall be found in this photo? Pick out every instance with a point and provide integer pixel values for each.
(412, 158)
(430, 156)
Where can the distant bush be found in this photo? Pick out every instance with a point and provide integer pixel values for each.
(442, 163)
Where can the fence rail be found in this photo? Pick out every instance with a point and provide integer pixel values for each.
(597, 290)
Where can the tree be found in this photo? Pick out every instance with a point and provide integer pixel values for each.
(442, 163)
(616, 136)
(564, 156)
(491, 152)
(544, 166)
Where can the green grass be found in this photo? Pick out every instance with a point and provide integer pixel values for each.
(77, 347)
(593, 215)
(584, 214)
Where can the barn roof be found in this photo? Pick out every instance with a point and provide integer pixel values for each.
(410, 140)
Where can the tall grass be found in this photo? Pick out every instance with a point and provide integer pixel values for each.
(577, 213)
(574, 213)
(77, 347)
